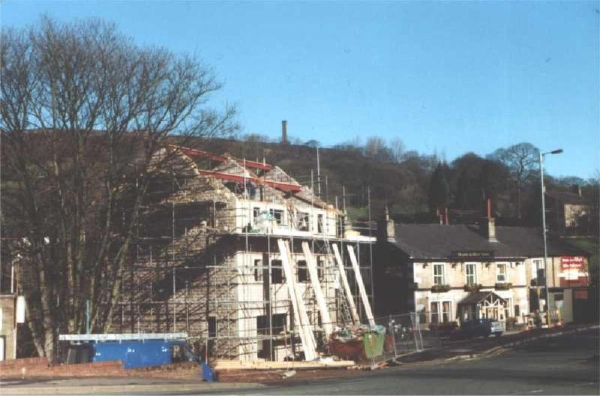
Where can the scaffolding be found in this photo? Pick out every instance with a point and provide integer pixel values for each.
(245, 260)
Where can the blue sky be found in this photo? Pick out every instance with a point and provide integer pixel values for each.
(444, 76)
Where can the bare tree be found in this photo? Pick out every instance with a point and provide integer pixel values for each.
(377, 149)
(398, 149)
(83, 112)
(521, 160)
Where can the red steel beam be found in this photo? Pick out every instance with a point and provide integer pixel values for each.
(241, 179)
(256, 165)
(220, 158)
(282, 186)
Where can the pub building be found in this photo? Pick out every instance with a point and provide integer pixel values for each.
(459, 272)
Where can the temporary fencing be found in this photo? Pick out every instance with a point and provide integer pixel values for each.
(403, 335)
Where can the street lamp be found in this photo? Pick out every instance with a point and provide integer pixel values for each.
(547, 308)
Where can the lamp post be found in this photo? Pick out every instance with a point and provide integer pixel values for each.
(547, 307)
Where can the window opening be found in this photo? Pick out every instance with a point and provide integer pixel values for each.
(277, 215)
(438, 274)
(303, 221)
(501, 273)
(258, 270)
(302, 271)
(276, 271)
(435, 307)
(212, 327)
(471, 274)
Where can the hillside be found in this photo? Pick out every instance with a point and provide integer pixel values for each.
(402, 187)
(402, 182)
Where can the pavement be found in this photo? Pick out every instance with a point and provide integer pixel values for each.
(481, 347)
(447, 354)
(121, 386)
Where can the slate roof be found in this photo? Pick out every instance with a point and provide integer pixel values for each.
(435, 241)
(567, 197)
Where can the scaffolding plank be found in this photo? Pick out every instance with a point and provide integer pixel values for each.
(361, 286)
(342, 271)
(123, 337)
(316, 284)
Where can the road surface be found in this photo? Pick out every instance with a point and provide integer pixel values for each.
(558, 365)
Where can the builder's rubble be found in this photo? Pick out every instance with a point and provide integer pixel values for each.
(357, 343)
(288, 374)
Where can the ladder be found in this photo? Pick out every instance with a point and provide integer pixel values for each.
(342, 304)
(330, 270)
(342, 299)
(348, 291)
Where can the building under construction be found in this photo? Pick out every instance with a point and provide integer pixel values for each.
(245, 260)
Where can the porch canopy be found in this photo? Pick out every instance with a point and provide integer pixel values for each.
(484, 304)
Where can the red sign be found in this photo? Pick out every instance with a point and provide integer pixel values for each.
(571, 263)
(572, 272)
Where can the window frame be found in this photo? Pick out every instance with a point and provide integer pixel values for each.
(446, 314)
(435, 312)
(303, 221)
(277, 268)
(255, 214)
(441, 315)
(443, 274)
(302, 271)
(212, 327)
(258, 270)
(498, 266)
(538, 266)
(278, 215)
(474, 274)
(321, 268)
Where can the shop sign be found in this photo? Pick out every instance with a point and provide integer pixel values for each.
(571, 263)
(473, 254)
(572, 272)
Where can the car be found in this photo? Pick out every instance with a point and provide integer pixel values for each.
(479, 328)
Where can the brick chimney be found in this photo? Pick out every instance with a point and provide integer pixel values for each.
(488, 225)
(284, 138)
(577, 189)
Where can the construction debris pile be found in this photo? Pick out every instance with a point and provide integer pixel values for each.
(358, 343)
